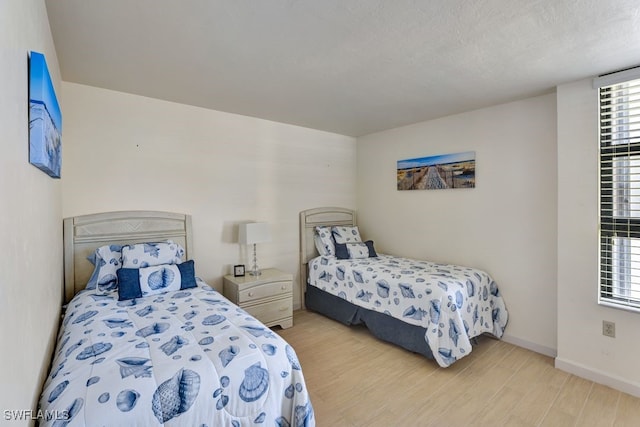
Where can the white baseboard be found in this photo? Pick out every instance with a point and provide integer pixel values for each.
(547, 351)
(598, 376)
(577, 369)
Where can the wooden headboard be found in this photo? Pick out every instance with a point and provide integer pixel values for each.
(84, 234)
(311, 218)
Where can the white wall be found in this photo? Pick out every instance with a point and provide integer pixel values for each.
(505, 226)
(582, 349)
(30, 218)
(130, 152)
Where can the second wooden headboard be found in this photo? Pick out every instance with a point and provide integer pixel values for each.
(311, 218)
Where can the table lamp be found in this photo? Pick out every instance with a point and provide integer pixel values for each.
(251, 233)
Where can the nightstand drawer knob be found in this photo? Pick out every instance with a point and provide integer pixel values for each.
(250, 294)
(284, 309)
(284, 287)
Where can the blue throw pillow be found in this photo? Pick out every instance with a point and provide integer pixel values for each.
(128, 284)
(355, 250)
(188, 272)
(161, 278)
(372, 251)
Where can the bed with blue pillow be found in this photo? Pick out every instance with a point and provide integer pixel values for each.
(147, 343)
(429, 308)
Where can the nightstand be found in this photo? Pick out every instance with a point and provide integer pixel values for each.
(267, 297)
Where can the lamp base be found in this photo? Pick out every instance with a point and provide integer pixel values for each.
(255, 271)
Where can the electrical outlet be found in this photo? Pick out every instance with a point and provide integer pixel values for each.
(608, 329)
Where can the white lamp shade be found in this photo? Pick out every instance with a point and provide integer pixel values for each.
(253, 232)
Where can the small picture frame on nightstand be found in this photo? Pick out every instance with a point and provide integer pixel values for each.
(238, 270)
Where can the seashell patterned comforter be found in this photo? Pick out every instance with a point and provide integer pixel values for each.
(183, 358)
(453, 303)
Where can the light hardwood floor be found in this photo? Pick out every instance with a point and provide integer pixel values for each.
(356, 380)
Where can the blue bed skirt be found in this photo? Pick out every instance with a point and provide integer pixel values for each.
(382, 326)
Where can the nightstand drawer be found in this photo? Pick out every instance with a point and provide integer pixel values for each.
(265, 291)
(270, 311)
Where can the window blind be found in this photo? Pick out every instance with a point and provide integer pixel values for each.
(620, 193)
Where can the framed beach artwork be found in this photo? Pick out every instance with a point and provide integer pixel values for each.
(45, 119)
(456, 170)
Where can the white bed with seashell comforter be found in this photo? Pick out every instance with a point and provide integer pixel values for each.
(429, 308)
(181, 355)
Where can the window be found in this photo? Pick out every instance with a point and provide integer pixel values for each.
(620, 190)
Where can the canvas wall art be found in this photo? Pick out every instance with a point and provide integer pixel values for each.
(45, 119)
(456, 170)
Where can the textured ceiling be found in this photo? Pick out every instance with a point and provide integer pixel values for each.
(347, 66)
